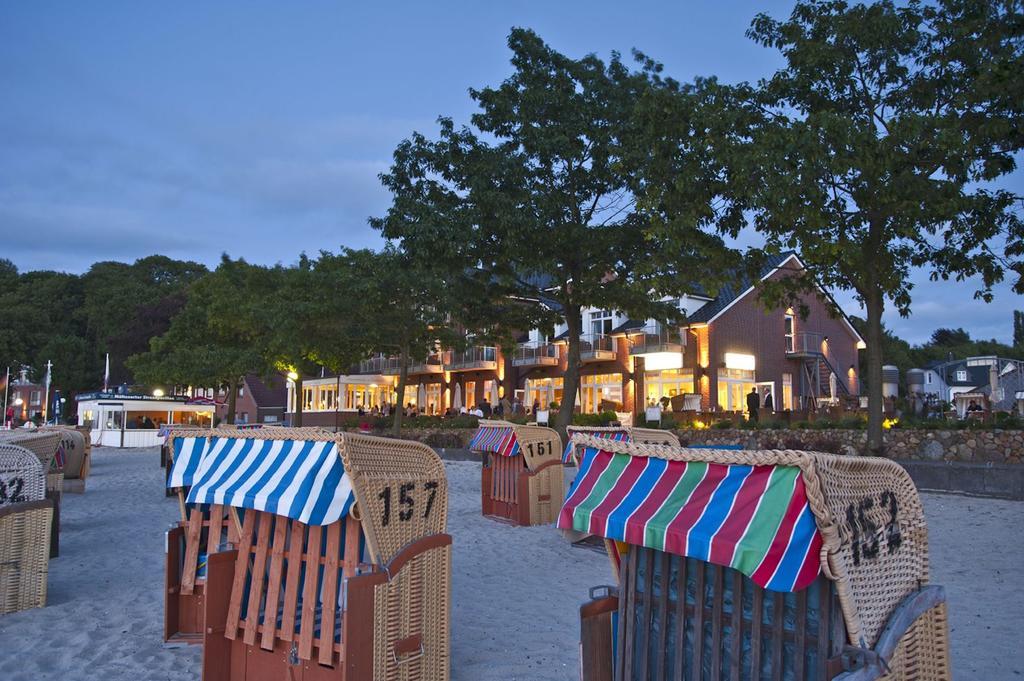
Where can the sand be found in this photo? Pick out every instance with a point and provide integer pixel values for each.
(516, 590)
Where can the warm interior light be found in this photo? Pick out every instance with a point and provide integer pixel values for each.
(657, 361)
(18, 402)
(735, 360)
(861, 345)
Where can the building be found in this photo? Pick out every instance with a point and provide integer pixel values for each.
(27, 399)
(728, 346)
(997, 378)
(119, 420)
(259, 400)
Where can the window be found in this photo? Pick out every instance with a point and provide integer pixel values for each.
(960, 376)
(270, 418)
(787, 391)
(433, 405)
(667, 383)
(928, 378)
(542, 391)
(598, 389)
(470, 396)
(788, 326)
(601, 322)
(34, 399)
(307, 399)
(241, 391)
(733, 386)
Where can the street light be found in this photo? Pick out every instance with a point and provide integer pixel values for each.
(18, 402)
(293, 376)
(158, 393)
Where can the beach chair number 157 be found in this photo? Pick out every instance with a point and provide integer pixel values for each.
(406, 501)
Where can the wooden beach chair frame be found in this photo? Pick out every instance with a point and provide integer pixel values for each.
(524, 489)
(390, 554)
(26, 519)
(76, 449)
(876, 618)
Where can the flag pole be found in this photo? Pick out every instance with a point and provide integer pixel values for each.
(7, 387)
(106, 374)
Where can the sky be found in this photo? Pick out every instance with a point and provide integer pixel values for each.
(259, 128)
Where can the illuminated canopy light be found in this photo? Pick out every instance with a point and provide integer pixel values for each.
(657, 361)
(735, 360)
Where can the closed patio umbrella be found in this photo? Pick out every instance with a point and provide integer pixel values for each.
(494, 393)
(457, 398)
(421, 399)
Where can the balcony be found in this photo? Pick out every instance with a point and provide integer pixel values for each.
(806, 345)
(433, 364)
(597, 348)
(376, 365)
(391, 366)
(655, 340)
(477, 358)
(535, 355)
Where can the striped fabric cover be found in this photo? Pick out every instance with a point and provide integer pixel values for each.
(755, 519)
(188, 451)
(301, 479)
(618, 436)
(496, 440)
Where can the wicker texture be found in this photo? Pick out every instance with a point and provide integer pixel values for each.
(21, 475)
(400, 487)
(875, 540)
(74, 445)
(43, 444)
(24, 555)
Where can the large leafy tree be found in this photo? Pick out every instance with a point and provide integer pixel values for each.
(540, 197)
(205, 345)
(880, 139)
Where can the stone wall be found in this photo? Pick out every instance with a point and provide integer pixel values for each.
(972, 446)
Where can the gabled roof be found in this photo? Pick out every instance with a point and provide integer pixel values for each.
(729, 294)
(272, 393)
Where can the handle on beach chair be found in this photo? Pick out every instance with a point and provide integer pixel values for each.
(412, 644)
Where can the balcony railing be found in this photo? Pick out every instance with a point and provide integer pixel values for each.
(806, 344)
(392, 366)
(433, 364)
(477, 357)
(655, 339)
(596, 348)
(535, 354)
(375, 365)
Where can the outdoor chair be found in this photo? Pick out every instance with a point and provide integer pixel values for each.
(521, 477)
(755, 565)
(73, 450)
(25, 524)
(46, 445)
(341, 569)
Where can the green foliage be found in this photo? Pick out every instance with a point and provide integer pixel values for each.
(542, 197)
(602, 419)
(1018, 331)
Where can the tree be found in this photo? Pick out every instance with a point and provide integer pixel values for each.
(541, 199)
(203, 348)
(878, 143)
(1018, 330)
(950, 337)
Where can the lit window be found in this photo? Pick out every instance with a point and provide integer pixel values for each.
(788, 326)
(601, 322)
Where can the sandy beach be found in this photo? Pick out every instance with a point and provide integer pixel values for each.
(516, 590)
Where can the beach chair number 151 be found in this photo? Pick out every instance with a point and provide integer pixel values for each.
(406, 501)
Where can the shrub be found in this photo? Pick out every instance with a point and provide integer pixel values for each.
(722, 425)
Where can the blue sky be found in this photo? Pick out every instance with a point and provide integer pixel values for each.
(259, 128)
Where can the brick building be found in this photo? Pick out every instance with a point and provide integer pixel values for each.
(728, 346)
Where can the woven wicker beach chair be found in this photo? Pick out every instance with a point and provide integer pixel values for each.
(341, 568)
(73, 451)
(755, 565)
(46, 445)
(25, 521)
(521, 479)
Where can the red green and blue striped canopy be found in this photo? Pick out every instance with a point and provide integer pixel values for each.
(755, 519)
(498, 440)
(617, 435)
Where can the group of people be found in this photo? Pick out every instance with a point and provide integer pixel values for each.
(755, 403)
(504, 407)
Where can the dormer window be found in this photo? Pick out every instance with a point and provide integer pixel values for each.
(961, 376)
(601, 322)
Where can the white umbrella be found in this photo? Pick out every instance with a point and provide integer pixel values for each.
(494, 393)
(421, 399)
(457, 398)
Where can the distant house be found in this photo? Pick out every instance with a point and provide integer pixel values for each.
(998, 378)
(259, 400)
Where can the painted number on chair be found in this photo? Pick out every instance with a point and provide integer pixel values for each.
(865, 534)
(542, 448)
(408, 494)
(11, 490)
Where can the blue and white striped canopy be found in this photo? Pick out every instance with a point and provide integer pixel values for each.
(188, 451)
(301, 479)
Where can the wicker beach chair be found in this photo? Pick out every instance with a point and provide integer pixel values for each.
(25, 521)
(341, 569)
(73, 451)
(521, 479)
(755, 565)
(46, 445)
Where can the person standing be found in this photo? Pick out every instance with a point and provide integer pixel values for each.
(753, 404)
(769, 403)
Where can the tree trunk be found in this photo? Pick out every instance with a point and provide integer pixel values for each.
(403, 376)
(875, 306)
(297, 420)
(232, 400)
(571, 380)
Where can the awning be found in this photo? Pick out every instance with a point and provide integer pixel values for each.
(617, 435)
(301, 479)
(188, 452)
(501, 440)
(755, 519)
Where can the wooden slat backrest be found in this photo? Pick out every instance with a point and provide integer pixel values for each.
(505, 478)
(287, 583)
(683, 619)
(210, 521)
